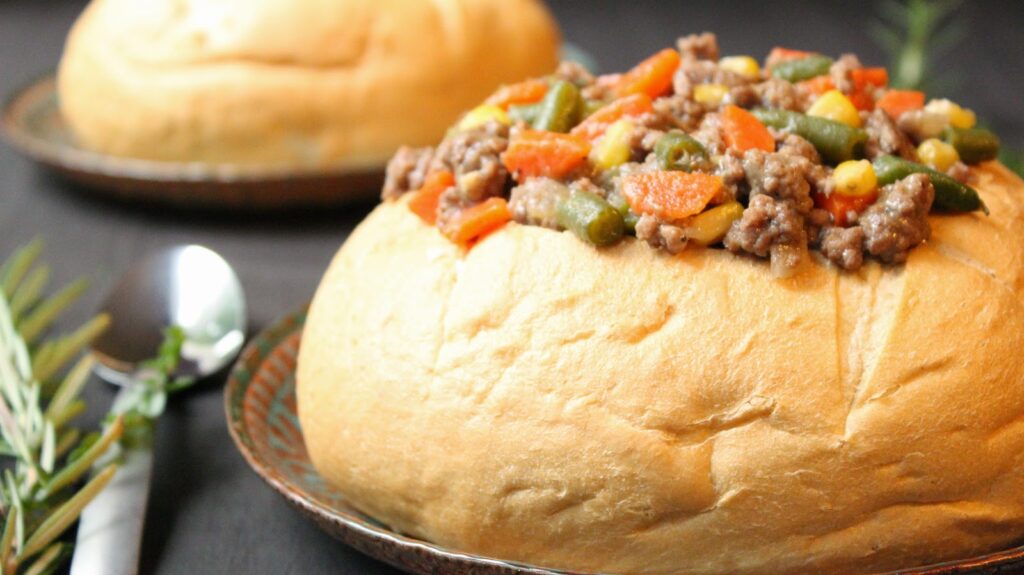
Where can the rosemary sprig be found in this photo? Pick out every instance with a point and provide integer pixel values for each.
(38, 499)
(916, 33)
(41, 378)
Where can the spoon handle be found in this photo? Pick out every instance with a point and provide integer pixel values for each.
(110, 528)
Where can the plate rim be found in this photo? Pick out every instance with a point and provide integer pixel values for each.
(276, 332)
(123, 167)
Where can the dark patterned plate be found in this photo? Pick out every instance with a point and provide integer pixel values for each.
(260, 403)
(33, 124)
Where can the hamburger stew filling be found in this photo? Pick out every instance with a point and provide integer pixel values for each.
(688, 148)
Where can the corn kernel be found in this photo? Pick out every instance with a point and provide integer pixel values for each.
(743, 65)
(481, 115)
(711, 226)
(937, 154)
(710, 94)
(958, 117)
(613, 149)
(833, 105)
(855, 178)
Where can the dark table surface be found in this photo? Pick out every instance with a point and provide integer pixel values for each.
(209, 513)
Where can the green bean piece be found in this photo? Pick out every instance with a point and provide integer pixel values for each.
(950, 195)
(560, 109)
(973, 144)
(802, 69)
(677, 150)
(629, 217)
(591, 218)
(835, 142)
(524, 113)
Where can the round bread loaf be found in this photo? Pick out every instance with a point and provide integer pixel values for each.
(625, 411)
(312, 83)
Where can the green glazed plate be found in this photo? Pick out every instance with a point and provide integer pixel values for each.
(262, 418)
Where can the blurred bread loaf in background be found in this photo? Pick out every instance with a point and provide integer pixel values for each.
(290, 82)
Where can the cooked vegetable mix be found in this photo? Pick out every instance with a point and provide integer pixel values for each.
(803, 152)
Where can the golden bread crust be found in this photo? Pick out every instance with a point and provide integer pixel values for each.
(321, 82)
(622, 410)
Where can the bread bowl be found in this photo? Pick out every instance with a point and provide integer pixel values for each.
(311, 84)
(532, 397)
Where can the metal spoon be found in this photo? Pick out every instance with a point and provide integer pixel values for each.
(188, 286)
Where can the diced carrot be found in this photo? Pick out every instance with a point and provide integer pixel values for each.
(670, 195)
(896, 102)
(840, 205)
(818, 85)
(423, 202)
(595, 125)
(866, 77)
(477, 221)
(780, 54)
(862, 100)
(742, 131)
(865, 82)
(534, 153)
(526, 92)
(653, 76)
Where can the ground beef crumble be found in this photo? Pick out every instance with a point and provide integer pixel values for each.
(843, 246)
(669, 237)
(534, 201)
(703, 46)
(884, 138)
(686, 112)
(898, 221)
(474, 157)
(840, 72)
(406, 171)
(770, 228)
(780, 175)
(775, 93)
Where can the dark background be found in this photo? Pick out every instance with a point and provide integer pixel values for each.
(208, 512)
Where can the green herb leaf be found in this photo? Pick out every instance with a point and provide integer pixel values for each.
(916, 33)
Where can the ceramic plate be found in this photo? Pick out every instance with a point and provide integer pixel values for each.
(260, 403)
(32, 124)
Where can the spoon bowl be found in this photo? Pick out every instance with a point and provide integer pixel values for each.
(186, 286)
(189, 287)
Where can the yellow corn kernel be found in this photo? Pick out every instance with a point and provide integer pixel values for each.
(481, 115)
(855, 178)
(937, 154)
(833, 105)
(743, 65)
(711, 226)
(613, 149)
(710, 94)
(958, 117)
